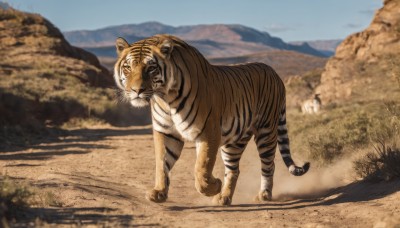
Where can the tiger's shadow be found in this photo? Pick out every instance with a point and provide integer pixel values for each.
(359, 191)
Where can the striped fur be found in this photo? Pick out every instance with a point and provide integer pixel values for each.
(215, 106)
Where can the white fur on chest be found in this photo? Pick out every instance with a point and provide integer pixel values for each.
(172, 123)
(187, 132)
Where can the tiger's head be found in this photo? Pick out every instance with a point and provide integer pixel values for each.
(140, 71)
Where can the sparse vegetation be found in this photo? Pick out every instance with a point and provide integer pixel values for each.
(394, 71)
(325, 148)
(45, 83)
(13, 197)
(46, 199)
(338, 131)
(17, 197)
(344, 125)
(327, 137)
(379, 165)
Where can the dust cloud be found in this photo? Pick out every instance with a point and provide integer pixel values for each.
(314, 184)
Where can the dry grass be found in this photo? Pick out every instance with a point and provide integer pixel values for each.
(379, 165)
(13, 198)
(17, 197)
(45, 83)
(326, 137)
(45, 199)
(372, 113)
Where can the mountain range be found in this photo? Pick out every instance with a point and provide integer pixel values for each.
(326, 47)
(286, 63)
(214, 41)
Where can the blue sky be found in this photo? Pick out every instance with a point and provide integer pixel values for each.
(292, 20)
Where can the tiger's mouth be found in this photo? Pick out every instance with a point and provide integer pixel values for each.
(140, 100)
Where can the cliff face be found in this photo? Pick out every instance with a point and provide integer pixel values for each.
(376, 46)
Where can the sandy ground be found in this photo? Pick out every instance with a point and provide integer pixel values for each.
(100, 176)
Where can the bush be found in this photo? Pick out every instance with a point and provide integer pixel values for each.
(342, 129)
(332, 138)
(379, 165)
(325, 148)
(16, 198)
(13, 197)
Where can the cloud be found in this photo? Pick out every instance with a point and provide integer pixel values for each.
(352, 25)
(277, 28)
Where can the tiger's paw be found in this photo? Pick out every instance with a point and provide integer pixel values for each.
(156, 196)
(220, 200)
(263, 196)
(210, 188)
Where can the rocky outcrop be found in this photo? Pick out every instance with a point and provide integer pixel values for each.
(29, 41)
(372, 46)
(44, 81)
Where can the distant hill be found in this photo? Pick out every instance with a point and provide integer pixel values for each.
(327, 47)
(4, 5)
(217, 40)
(286, 63)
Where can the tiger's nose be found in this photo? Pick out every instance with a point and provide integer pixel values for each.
(141, 90)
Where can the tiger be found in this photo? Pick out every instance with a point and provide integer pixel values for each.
(215, 106)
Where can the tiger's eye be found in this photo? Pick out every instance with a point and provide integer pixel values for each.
(126, 66)
(151, 69)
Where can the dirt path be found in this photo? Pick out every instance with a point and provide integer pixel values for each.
(100, 176)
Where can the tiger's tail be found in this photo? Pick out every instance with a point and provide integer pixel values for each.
(283, 144)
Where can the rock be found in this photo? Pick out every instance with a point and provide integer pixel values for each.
(30, 41)
(379, 40)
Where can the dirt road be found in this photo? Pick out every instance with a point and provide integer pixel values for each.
(99, 177)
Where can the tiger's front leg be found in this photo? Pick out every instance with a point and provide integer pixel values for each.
(168, 149)
(207, 148)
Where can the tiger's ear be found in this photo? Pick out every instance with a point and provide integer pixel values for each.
(166, 48)
(120, 45)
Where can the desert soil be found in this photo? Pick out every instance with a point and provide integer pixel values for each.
(99, 177)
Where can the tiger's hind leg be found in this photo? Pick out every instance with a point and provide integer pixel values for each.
(231, 154)
(266, 145)
(168, 149)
